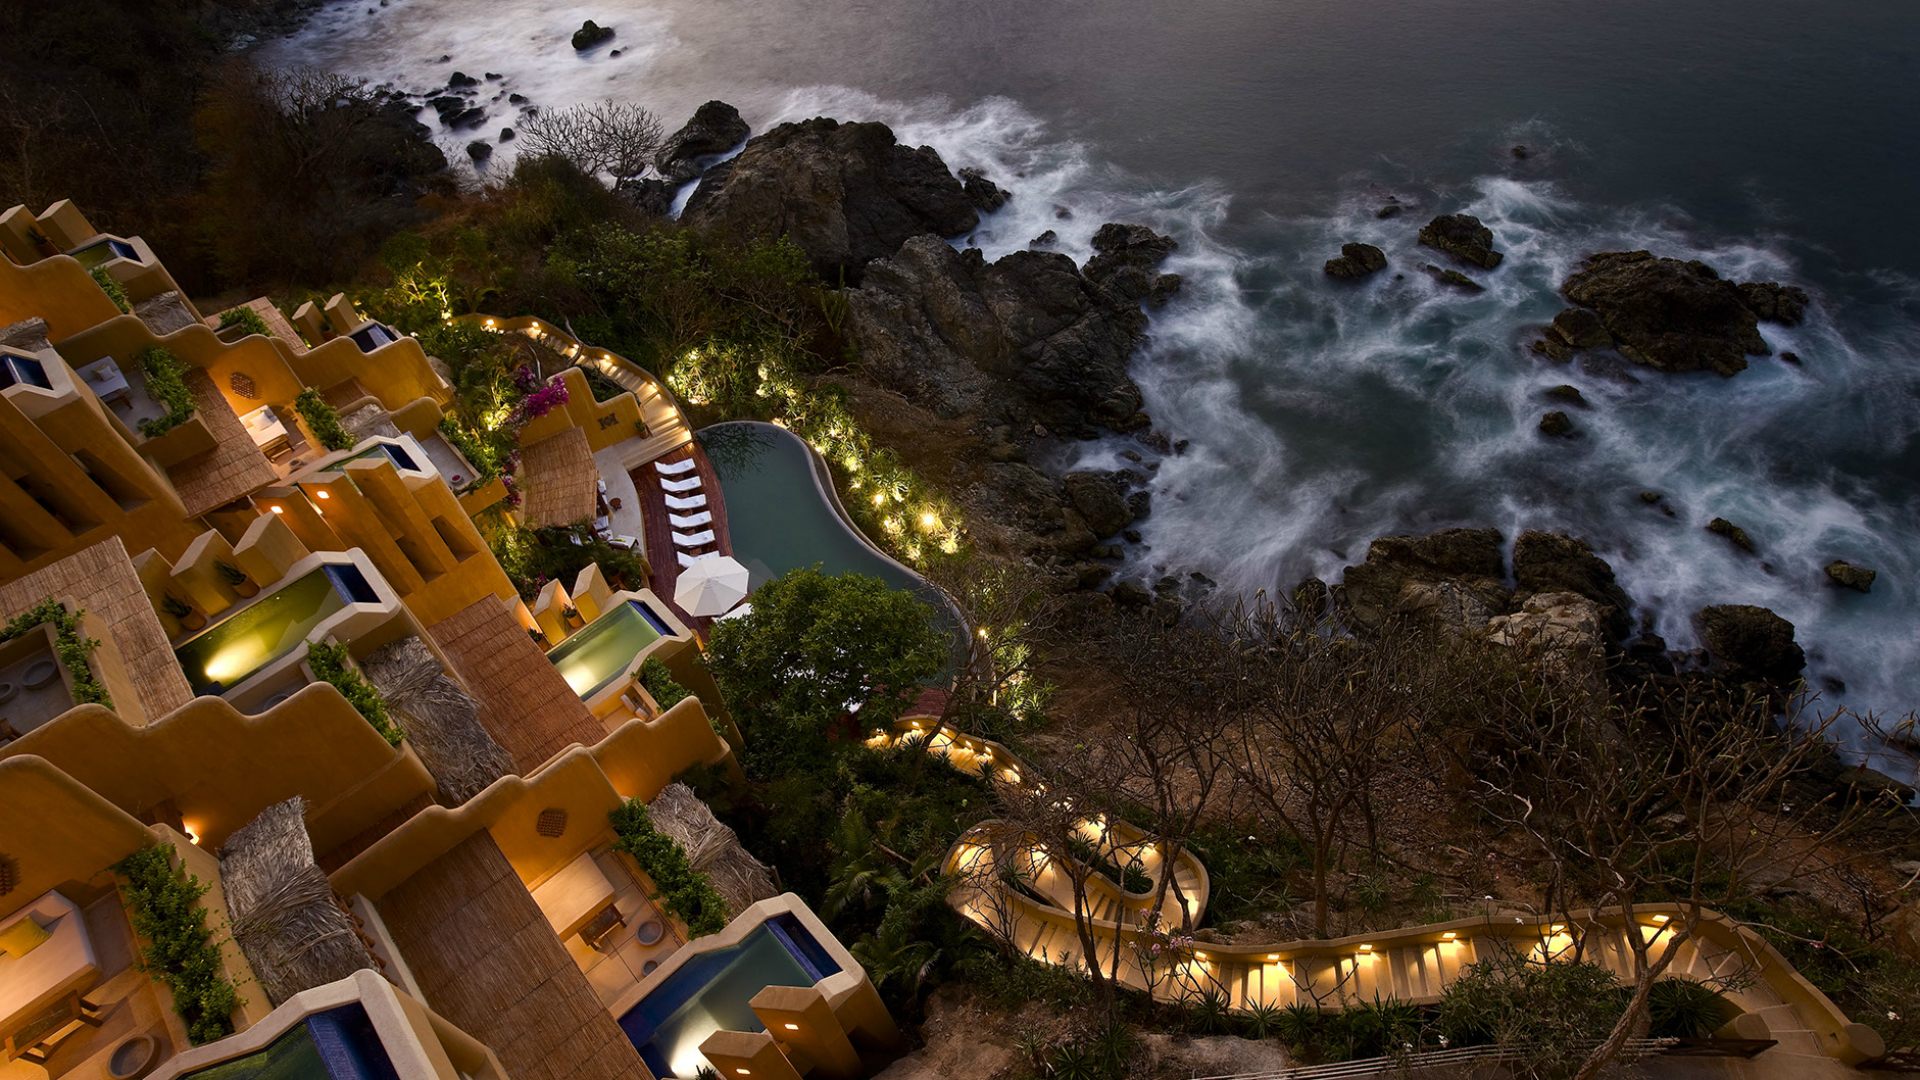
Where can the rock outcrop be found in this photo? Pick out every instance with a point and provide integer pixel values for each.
(1545, 562)
(1357, 261)
(1556, 425)
(983, 193)
(1030, 339)
(1668, 314)
(1734, 533)
(1752, 642)
(1566, 631)
(847, 194)
(1101, 500)
(716, 128)
(591, 34)
(1454, 579)
(1463, 237)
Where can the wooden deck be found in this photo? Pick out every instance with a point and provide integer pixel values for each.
(524, 703)
(486, 960)
(659, 538)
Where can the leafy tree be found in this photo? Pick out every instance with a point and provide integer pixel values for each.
(822, 658)
(1549, 1013)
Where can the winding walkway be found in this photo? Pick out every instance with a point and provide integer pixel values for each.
(1411, 964)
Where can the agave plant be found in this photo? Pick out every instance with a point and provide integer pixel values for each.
(1263, 1019)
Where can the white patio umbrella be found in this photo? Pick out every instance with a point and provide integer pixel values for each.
(711, 586)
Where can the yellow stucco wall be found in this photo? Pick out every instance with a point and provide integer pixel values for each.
(55, 830)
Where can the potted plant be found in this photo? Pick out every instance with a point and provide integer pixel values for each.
(573, 616)
(538, 635)
(236, 579)
(41, 241)
(190, 619)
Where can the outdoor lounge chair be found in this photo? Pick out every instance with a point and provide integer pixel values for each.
(690, 521)
(629, 542)
(678, 468)
(687, 560)
(691, 502)
(693, 540)
(691, 483)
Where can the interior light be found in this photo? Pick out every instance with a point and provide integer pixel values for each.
(744, 1072)
(792, 1027)
(1366, 948)
(323, 494)
(1273, 958)
(191, 835)
(278, 509)
(1661, 918)
(1448, 936)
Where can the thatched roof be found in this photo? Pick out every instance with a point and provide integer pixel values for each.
(282, 908)
(438, 717)
(712, 847)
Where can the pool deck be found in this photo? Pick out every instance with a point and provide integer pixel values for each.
(659, 536)
(620, 966)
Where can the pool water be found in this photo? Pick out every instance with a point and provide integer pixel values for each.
(603, 650)
(339, 1044)
(396, 453)
(103, 252)
(229, 652)
(778, 517)
(710, 993)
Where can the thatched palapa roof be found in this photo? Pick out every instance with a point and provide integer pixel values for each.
(282, 907)
(439, 718)
(713, 849)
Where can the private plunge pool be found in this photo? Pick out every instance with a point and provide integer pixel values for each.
(232, 650)
(710, 992)
(339, 1044)
(780, 513)
(598, 654)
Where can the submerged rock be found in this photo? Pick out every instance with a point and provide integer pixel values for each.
(1752, 641)
(460, 80)
(1569, 394)
(1452, 277)
(1581, 329)
(1463, 237)
(1848, 576)
(846, 194)
(1678, 316)
(1556, 424)
(716, 128)
(479, 150)
(1735, 533)
(1356, 261)
(591, 34)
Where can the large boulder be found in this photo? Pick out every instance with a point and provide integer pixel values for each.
(1101, 500)
(1453, 579)
(716, 128)
(1848, 576)
(1752, 642)
(1027, 340)
(847, 194)
(1463, 237)
(1357, 261)
(591, 34)
(1545, 562)
(982, 192)
(1675, 315)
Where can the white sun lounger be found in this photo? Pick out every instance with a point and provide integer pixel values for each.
(693, 540)
(677, 468)
(691, 483)
(687, 560)
(691, 520)
(691, 502)
(628, 542)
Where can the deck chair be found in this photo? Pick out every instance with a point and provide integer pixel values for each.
(691, 502)
(687, 561)
(678, 468)
(691, 520)
(693, 540)
(674, 487)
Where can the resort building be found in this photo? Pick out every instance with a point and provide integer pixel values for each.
(293, 777)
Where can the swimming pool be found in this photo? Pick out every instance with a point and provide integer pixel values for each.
(229, 652)
(394, 451)
(778, 517)
(596, 655)
(339, 1044)
(101, 252)
(710, 993)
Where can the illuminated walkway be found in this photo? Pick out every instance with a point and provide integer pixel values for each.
(1014, 890)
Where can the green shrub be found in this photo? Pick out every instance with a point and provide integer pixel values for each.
(1547, 1013)
(179, 950)
(72, 649)
(330, 664)
(486, 463)
(683, 891)
(1683, 1009)
(322, 419)
(112, 288)
(247, 319)
(602, 384)
(660, 683)
(167, 386)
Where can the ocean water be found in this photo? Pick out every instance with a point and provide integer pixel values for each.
(1771, 138)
